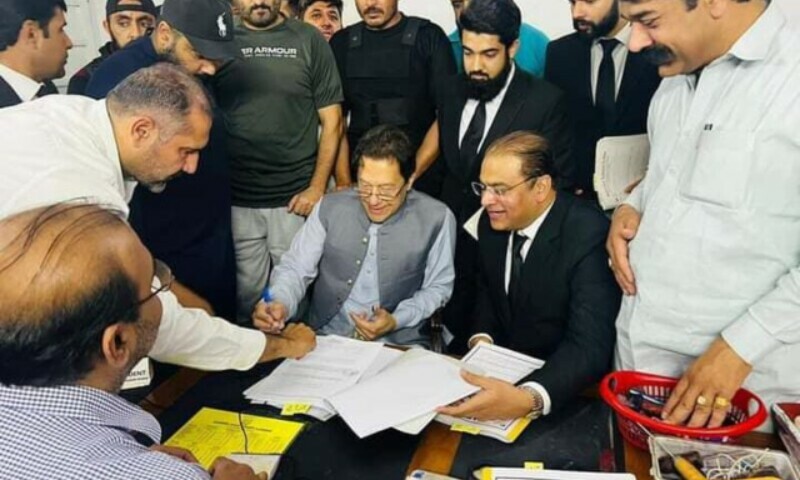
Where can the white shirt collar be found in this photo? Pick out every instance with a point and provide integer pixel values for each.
(531, 230)
(754, 44)
(26, 88)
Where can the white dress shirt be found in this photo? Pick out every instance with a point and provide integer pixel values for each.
(62, 148)
(718, 247)
(620, 56)
(492, 107)
(25, 88)
(529, 233)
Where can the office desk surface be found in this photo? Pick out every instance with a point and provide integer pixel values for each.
(578, 437)
(575, 437)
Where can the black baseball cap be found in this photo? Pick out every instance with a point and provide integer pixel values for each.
(208, 24)
(146, 6)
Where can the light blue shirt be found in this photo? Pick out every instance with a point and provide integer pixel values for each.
(530, 56)
(76, 433)
(298, 268)
(717, 252)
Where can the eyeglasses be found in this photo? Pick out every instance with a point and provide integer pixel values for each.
(383, 192)
(165, 279)
(501, 191)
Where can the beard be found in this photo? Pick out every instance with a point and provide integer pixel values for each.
(600, 29)
(485, 90)
(658, 55)
(261, 21)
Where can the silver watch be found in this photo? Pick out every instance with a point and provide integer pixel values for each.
(538, 402)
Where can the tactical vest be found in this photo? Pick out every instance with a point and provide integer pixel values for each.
(391, 65)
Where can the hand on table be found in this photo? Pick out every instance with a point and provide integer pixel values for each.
(177, 452)
(497, 400)
(702, 396)
(624, 226)
(371, 328)
(227, 469)
(269, 317)
(299, 338)
(302, 203)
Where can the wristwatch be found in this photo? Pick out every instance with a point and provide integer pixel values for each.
(538, 402)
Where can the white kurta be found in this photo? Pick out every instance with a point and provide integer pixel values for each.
(718, 249)
(62, 148)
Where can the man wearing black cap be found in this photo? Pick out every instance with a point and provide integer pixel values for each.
(188, 225)
(126, 21)
(33, 48)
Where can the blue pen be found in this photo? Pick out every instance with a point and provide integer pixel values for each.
(266, 295)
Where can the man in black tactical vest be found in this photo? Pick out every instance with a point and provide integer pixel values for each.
(390, 65)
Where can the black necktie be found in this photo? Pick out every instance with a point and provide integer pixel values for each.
(605, 96)
(473, 136)
(516, 267)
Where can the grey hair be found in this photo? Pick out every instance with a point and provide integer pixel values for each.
(165, 92)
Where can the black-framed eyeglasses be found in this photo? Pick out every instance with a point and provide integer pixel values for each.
(500, 191)
(165, 278)
(383, 192)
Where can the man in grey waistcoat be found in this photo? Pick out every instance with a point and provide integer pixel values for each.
(381, 254)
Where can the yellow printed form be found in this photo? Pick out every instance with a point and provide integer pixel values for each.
(213, 433)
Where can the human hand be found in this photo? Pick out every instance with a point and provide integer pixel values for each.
(226, 469)
(497, 400)
(299, 340)
(302, 203)
(177, 452)
(703, 394)
(269, 317)
(381, 323)
(343, 186)
(624, 226)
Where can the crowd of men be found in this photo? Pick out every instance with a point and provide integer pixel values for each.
(228, 180)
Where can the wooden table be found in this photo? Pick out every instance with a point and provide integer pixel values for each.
(438, 446)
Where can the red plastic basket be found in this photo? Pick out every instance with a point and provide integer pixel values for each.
(631, 421)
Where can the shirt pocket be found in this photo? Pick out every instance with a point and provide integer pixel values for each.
(721, 168)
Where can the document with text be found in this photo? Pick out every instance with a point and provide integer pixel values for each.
(619, 163)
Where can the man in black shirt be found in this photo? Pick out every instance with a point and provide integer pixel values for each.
(390, 65)
(126, 20)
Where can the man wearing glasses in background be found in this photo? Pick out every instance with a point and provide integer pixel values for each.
(543, 288)
(382, 254)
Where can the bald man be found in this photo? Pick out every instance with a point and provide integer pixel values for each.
(79, 309)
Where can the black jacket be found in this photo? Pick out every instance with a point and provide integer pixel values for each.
(568, 303)
(568, 66)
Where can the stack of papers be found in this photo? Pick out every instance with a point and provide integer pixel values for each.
(303, 386)
(375, 388)
(503, 364)
(213, 433)
(526, 474)
(619, 162)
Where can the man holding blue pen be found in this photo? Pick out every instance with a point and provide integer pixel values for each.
(381, 255)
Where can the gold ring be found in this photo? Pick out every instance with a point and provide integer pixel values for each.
(721, 402)
(701, 400)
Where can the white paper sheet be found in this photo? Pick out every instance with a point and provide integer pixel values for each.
(619, 162)
(259, 463)
(411, 387)
(501, 363)
(523, 474)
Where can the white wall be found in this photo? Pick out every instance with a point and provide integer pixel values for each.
(551, 16)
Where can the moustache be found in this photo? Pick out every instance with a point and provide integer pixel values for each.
(658, 55)
(478, 76)
(373, 10)
(260, 6)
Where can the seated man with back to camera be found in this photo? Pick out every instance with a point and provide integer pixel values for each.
(79, 310)
(544, 288)
(382, 255)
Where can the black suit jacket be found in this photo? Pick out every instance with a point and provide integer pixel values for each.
(568, 303)
(529, 104)
(9, 98)
(568, 66)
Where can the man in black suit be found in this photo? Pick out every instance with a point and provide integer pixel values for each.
(544, 287)
(608, 88)
(490, 99)
(33, 48)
